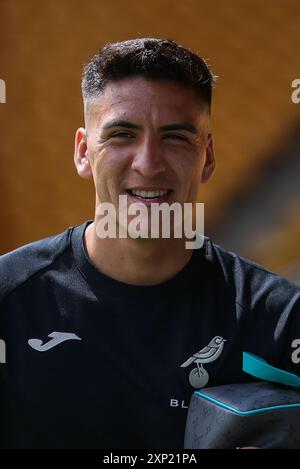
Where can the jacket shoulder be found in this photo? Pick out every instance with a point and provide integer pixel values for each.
(251, 282)
(17, 266)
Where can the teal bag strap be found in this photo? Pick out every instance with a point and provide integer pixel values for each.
(259, 368)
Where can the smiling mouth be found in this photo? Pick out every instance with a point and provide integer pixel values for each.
(156, 194)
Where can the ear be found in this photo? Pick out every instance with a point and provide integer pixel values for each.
(210, 162)
(81, 160)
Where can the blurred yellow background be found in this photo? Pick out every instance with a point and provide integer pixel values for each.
(252, 201)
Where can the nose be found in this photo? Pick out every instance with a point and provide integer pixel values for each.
(148, 159)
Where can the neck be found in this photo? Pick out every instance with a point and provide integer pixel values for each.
(137, 261)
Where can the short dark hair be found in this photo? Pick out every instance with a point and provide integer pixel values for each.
(150, 58)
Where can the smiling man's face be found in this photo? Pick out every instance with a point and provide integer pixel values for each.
(147, 139)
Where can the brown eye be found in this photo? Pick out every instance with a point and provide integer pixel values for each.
(122, 134)
(175, 137)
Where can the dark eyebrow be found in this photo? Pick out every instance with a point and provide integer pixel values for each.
(120, 123)
(129, 125)
(180, 126)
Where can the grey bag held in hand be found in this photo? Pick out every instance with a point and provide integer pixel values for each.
(265, 414)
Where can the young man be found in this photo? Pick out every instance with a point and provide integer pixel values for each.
(107, 337)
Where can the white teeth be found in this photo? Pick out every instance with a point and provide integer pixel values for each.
(149, 194)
